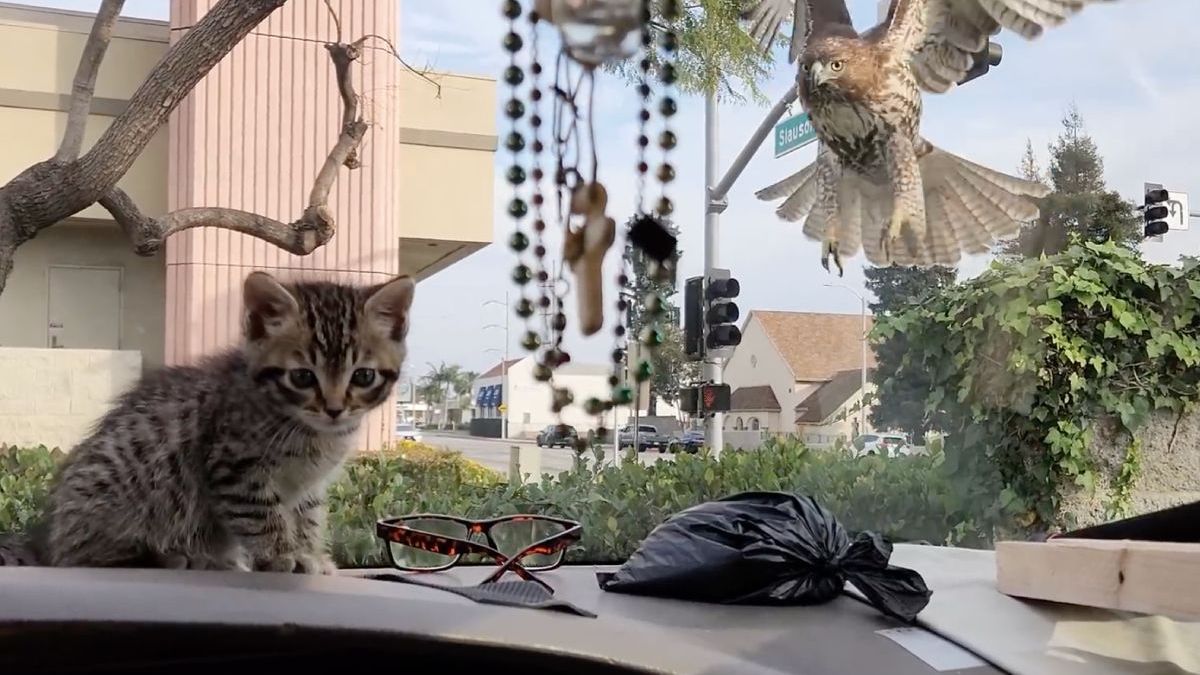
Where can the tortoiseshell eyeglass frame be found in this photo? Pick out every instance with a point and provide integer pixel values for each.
(396, 530)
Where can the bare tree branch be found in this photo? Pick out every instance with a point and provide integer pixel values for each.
(301, 237)
(53, 190)
(314, 228)
(48, 192)
(337, 21)
(84, 86)
(392, 48)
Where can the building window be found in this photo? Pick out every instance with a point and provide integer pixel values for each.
(753, 361)
(526, 418)
(738, 424)
(754, 424)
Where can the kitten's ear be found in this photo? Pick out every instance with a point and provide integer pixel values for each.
(269, 306)
(387, 307)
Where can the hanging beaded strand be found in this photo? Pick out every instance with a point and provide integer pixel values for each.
(514, 142)
(651, 336)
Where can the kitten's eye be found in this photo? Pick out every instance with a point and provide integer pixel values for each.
(302, 378)
(363, 377)
(836, 66)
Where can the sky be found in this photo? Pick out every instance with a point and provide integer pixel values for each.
(1130, 67)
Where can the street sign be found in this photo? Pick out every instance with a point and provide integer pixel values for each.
(1177, 202)
(793, 133)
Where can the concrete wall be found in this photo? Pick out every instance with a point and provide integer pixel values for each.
(1169, 464)
(54, 396)
(23, 306)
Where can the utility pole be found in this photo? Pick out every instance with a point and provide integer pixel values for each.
(862, 407)
(715, 203)
(503, 366)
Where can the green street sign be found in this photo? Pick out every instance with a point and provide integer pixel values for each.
(793, 133)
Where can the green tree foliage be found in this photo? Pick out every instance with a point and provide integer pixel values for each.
(715, 52)
(1080, 205)
(1025, 359)
(671, 368)
(898, 289)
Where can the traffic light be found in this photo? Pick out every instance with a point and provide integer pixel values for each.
(1155, 211)
(705, 399)
(714, 398)
(721, 313)
(693, 318)
(984, 60)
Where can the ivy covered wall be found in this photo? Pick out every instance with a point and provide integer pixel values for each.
(1050, 375)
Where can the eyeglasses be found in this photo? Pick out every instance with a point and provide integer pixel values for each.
(522, 544)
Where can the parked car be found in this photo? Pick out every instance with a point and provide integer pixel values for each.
(556, 435)
(406, 431)
(689, 441)
(648, 436)
(885, 444)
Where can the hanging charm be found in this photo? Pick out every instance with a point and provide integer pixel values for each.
(583, 252)
(594, 32)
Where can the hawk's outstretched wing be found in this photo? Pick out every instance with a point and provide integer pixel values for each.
(957, 29)
(807, 16)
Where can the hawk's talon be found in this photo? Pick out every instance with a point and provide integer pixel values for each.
(830, 250)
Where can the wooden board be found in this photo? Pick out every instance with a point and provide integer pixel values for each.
(1136, 576)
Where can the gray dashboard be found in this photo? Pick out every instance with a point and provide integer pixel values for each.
(76, 620)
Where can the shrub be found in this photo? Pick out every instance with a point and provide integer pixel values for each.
(24, 484)
(1022, 361)
(904, 498)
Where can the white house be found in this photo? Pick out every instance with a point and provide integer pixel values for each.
(798, 373)
(527, 402)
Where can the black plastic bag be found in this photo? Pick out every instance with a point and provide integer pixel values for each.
(766, 548)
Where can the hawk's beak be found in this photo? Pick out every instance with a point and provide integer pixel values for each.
(818, 74)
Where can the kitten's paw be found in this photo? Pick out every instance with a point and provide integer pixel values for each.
(315, 564)
(278, 563)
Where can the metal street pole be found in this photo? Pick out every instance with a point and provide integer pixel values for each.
(862, 406)
(714, 205)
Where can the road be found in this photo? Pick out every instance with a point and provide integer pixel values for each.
(493, 452)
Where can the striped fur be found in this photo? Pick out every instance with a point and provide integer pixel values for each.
(224, 465)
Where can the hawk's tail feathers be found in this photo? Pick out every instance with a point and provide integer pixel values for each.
(968, 208)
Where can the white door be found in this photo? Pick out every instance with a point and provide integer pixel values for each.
(85, 308)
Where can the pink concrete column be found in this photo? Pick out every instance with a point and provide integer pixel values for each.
(252, 136)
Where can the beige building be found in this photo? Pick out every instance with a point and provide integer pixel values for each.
(250, 136)
(796, 373)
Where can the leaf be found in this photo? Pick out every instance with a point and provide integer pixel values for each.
(1051, 308)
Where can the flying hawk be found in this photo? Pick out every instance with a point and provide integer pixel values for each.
(876, 182)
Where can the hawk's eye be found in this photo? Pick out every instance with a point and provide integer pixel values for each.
(302, 378)
(363, 377)
(836, 66)
(804, 67)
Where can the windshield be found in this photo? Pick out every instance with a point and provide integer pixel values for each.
(966, 317)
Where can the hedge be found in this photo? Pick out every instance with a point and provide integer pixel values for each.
(905, 498)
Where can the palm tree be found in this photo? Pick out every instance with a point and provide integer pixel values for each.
(462, 387)
(445, 377)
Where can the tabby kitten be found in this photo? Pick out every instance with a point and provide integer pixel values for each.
(225, 465)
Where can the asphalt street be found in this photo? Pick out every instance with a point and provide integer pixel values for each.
(494, 453)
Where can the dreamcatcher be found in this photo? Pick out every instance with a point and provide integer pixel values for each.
(591, 33)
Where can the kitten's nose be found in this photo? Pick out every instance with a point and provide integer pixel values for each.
(333, 413)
